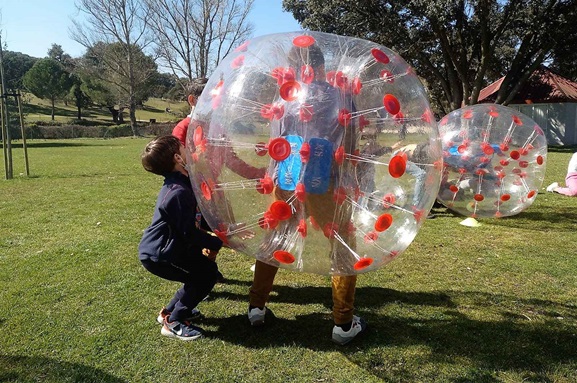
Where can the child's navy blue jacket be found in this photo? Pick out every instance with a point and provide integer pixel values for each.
(173, 233)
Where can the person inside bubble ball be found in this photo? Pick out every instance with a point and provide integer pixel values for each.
(570, 188)
(174, 246)
(322, 207)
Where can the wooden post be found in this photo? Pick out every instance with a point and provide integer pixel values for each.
(23, 130)
(7, 141)
(4, 147)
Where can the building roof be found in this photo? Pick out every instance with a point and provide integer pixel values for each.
(544, 86)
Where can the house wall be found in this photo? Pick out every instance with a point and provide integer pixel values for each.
(558, 121)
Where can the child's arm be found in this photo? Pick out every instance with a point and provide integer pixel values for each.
(180, 209)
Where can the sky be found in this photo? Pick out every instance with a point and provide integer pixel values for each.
(32, 26)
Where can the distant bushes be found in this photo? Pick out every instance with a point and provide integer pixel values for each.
(81, 129)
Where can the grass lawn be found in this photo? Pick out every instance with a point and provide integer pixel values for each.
(496, 303)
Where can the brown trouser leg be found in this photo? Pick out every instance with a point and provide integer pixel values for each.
(262, 284)
(343, 298)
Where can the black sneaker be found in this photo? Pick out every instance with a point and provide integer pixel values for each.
(180, 330)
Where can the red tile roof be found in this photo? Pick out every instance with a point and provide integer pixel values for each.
(544, 86)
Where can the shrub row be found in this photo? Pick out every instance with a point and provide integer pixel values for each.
(39, 131)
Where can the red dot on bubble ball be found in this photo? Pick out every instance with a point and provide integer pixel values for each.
(363, 263)
(478, 197)
(453, 188)
(505, 197)
(300, 192)
(488, 150)
(283, 257)
(389, 199)
(280, 210)
(531, 194)
(302, 228)
(289, 91)
(380, 56)
(397, 166)
(206, 192)
(303, 41)
(279, 149)
(383, 222)
(515, 154)
(371, 237)
(197, 135)
(260, 149)
(265, 185)
(540, 160)
(391, 104)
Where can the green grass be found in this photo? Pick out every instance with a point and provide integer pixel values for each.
(497, 303)
(35, 110)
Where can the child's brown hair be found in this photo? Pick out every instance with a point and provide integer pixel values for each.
(158, 155)
(196, 86)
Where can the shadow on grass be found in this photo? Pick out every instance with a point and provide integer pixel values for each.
(443, 333)
(564, 218)
(543, 219)
(33, 368)
(562, 149)
(47, 110)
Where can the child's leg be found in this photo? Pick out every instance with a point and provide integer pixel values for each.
(571, 186)
(343, 298)
(198, 274)
(262, 283)
(201, 277)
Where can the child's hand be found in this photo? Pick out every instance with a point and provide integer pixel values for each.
(211, 254)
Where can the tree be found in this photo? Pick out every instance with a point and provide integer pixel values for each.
(57, 53)
(76, 93)
(455, 46)
(192, 36)
(163, 83)
(47, 79)
(123, 25)
(16, 65)
(104, 73)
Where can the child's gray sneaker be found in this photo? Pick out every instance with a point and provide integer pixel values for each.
(257, 316)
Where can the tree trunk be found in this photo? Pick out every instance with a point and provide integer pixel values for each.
(133, 120)
(114, 113)
(52, 102)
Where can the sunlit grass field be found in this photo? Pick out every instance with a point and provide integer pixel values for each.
(495, 303)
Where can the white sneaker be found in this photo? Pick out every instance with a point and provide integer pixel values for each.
(342, 337)
(465, 184)
(256, 316)
(551, 188)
